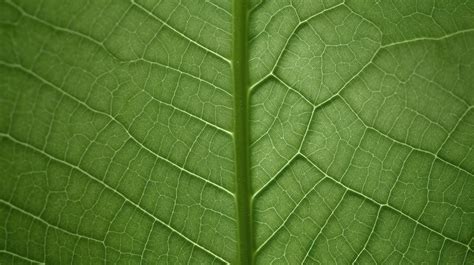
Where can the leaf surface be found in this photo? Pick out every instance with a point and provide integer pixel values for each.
(118, 132)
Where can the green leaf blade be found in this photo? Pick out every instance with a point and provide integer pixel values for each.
(202, 132)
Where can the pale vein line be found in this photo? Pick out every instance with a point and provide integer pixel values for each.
(324, 226)
(20, 257)
(101, 45)
(275, 118)
(178, 32)
(290, 214)
(454, 129)
(145, 247)
(293, 89)
(370, 235)
(41, 220)
(381, 47)
(58, 28)
(228, 133)
(338, 94)
(288, 41)
(259, 191)
(385, 205)
(270, 19)
(119, 123)
(428, 38)
(289, 160)
(346, 84)
(219, 7)
(462, 100)
(181, 72)
(26, 145)
(403, 143)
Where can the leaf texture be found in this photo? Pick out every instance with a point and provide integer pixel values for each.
(117, 132)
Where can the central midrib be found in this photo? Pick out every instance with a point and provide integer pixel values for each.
(241, 131)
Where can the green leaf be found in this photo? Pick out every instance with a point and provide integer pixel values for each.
(265, 132)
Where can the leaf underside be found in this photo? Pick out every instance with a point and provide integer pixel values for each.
(117, 132)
